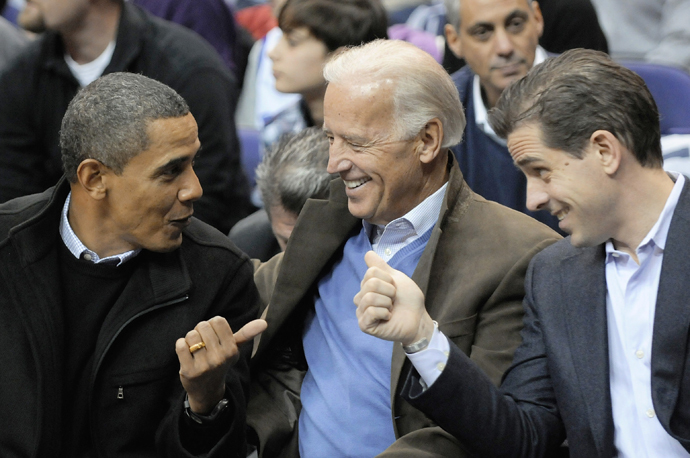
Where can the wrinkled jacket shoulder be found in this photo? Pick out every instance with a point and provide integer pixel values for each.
(200, 233)
(17, 212)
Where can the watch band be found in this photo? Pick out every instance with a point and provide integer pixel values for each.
(419, 345)
(205, 419)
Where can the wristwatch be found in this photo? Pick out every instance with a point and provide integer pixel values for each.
(205, 419)
(419, 345)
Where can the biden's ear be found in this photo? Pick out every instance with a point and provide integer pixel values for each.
(430, 139)
(91, 175)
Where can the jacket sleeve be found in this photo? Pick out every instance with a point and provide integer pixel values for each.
(520, 419)
(177, 436)
(489, 339)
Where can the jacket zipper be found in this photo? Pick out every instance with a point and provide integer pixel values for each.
(121, 390)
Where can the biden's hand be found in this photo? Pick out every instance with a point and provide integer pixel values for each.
(206, 354)
(390, 305)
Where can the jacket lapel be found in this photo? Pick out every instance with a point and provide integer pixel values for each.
(583, 281)
(302, 264)
(454, 203)
(672, 316)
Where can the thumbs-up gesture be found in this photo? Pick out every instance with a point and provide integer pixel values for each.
(206, 353)
(390, 305)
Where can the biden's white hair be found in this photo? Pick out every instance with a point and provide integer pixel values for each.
(422, 89)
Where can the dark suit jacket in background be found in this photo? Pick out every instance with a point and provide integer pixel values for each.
(559, 381)
(570, 24)
(471, 271)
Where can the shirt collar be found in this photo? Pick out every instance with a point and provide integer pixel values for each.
(420, 219)
(79, 250)
(659, 232)
(481, 117)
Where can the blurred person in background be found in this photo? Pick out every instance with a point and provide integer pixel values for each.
(568, 24)
(212, 19)
(656, 31)
(312, 30)
(12, 41)
(499, 40)
(292, 171)
(259, 100)
(85, 39)
(30, 18)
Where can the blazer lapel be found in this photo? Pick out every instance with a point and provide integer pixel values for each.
(454, 204)
(583, 281)
(301, 263)
(672, 316)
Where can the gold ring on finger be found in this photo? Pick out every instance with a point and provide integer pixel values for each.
(196, 347)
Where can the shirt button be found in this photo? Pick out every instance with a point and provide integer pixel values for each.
(87, 256)
(387, 251)
(639, 354)
(650, 413)
(440, 367)
(447, 353)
